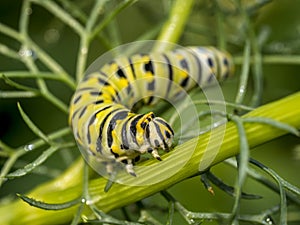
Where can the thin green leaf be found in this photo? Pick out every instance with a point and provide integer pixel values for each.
(274, 123)
(174, 25)
(28, 74)
(18, 86)
(292, 197)
(244, 74)
(32, 126)
(43, 170)
(74, 10)
(5, 148)
(218, 102)
(257, 68)
(96, 10)
(18, 94)
(104, 218)
(62, 14)
(31, 166)
(4, 50)
(278, 179)
(147, 218)
(171, 213)
(243, 158)
(77, 12)
(291, 187)
(49, 206)
(123, 5)
(8, 31)
(77, 218)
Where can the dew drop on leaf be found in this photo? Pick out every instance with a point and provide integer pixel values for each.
(26, 52)
(28, 147)
(269, 220)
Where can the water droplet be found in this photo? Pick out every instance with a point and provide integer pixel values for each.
(26, 52)
(28, 147)
(51, 35)
(269, 220)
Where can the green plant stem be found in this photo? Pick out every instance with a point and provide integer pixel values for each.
(174, 26)
(257, 69)
(285, 110)
(62, 14)
(273, 59)
(220, 27)
(85, 41)
(244, 74)
(123, 5)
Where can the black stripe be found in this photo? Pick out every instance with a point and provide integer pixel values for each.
(210, 62)
(112, 124)
(165, 124)
(147, 133)
(82, 111)
(77, 99)
(91, 121)
(124, 133)
(159, 133)
(120, 73)
(214, 64)
(102, 81)
(184, 64)
(99, 139)
(149, 66)
(151, 85)
(184, 82)
(74, 114)
(170, 73)
(98, 102)
(133, 125)
(150, 99)
(95, 93)
(131, 67)
(128, 88)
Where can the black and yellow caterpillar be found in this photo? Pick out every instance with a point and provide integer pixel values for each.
(100, 110)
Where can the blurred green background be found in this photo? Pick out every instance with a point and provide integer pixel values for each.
(280, 18)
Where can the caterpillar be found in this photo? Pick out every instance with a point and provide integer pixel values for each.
(100, 111)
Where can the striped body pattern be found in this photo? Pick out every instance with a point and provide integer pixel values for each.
(100, 112)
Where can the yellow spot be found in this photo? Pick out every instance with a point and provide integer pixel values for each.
(140, 131)
(116, 143)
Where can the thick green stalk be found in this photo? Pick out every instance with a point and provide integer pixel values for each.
(286, 110)
(175, 24)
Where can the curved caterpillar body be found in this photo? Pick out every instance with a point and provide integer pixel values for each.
(100, 115)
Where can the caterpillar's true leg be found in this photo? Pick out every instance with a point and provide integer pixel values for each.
(129, 168)
(154, 153)
(128, 164)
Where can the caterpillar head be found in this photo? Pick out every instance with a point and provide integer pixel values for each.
(158, 134)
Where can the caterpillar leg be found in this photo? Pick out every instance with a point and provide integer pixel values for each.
(129, 168)
(154, 153)
(128, 165)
